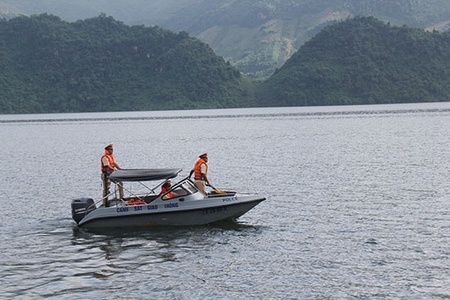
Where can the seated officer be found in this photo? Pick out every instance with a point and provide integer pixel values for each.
(165, 188)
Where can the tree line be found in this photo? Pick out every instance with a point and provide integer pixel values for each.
(363, 61)
(100, 64)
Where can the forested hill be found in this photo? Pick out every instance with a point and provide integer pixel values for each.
(363, 61)
(256, 36)
(100, 64)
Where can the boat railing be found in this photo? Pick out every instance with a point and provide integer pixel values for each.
(147, 196)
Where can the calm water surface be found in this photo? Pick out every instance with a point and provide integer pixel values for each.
(358, 205)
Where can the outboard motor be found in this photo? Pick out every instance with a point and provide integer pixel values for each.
(81, 207)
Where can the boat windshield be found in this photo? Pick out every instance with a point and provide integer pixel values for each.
(179, 190)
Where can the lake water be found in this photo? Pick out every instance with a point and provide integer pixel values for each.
(358, 204)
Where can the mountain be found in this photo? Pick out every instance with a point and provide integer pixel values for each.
(256, 36)
(101, 64)
(363, 61)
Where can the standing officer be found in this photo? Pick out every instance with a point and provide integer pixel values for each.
(201, 173)
(108, 166)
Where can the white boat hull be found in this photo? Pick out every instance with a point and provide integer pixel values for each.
(197, 212)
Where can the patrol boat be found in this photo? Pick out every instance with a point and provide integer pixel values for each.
(182, 205)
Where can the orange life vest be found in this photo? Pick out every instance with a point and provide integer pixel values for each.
(197, 169)
(112, 163)
(133, 201)
(164, 190)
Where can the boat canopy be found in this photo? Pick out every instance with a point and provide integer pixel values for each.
(143, 174)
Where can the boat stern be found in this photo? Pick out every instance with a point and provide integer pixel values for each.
(81, 207)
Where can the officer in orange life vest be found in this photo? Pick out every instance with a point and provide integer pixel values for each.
(166, 187)
(109, 164)
(200, 173)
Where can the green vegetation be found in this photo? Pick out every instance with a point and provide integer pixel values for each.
(363, 61)
(256, 36)
(100, 64)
